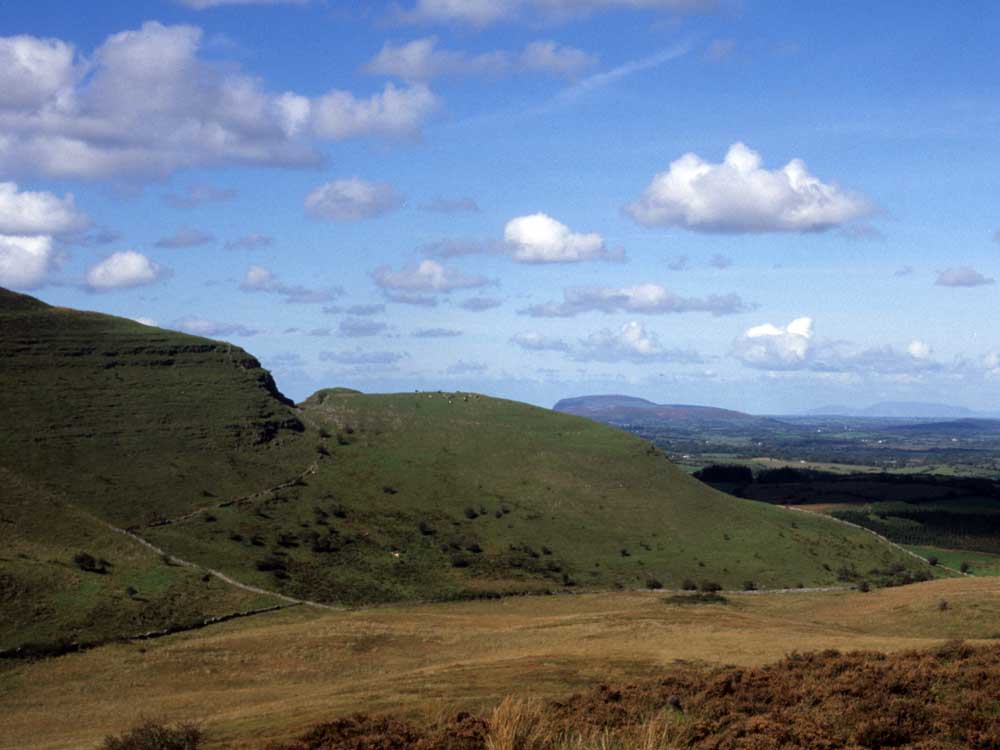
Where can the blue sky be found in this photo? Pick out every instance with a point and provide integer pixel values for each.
(763, 206)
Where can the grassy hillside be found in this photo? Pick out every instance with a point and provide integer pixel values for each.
(133, 421)
(66, 578)
(441, 494)
(350, 498)
(102, 418)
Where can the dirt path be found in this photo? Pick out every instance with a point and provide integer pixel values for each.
(879, 537)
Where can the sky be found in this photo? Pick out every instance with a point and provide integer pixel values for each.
(756, 205)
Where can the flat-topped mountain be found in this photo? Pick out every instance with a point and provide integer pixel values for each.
(619, 409)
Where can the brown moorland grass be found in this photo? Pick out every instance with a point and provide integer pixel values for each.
(272, 677)
(936, 699)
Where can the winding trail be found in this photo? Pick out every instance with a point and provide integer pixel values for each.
(879, 537)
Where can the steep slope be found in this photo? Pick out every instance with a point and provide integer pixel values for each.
(440, 494)
(134, 422)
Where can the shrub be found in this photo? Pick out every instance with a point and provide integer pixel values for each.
(471, 513)
(90, 564)
(964, 567)
(710, 587)
(459, 562)
(689, 585)
(932, 560)
(653, 583)
(426, 529)
(152, 736)
(749, 586)
(942, 605)
(864, 587)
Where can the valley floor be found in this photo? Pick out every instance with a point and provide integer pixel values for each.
(268, 677)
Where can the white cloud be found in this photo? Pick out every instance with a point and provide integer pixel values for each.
(34, 71)
(210, 328)
(919, 349)
(412, 284)
(261, 279)
(26, 262)
(145, 103)
(648, 299)
(185, 237)
(352, 199)
(206, 4)
(539, 238)
(481, 13)
(773, 347)
(962, 276)
(122, 270)
(537, 342)
(739, 196)
(422, 60)
(794, 347)
(631, 343)
(27, 213)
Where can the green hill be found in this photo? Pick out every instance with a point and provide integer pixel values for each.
(349, 498)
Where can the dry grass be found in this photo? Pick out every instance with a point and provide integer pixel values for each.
(269, 678)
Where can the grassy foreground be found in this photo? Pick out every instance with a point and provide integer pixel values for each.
(273, 676)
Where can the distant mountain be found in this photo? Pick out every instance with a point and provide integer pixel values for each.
(954, 426)
(898, 410)
(616, 409)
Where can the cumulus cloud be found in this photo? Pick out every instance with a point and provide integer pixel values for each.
(771, 347)
(210, 328)
(740, 196)
(630, 343)
(26, 262)
(195, 196)
(422, 60)
(649, 299)
(250, 242)
(41, 213)
(185, 237)
(537, 342)
(435, 333)
(145, 104)
(122, 270)
(480, 304)
(352, 199)
(451, 206)
(414, 284)
(359, 327)
(481, 13)
(962, 276)
(262, 279)
(795, 347)
(539, 238)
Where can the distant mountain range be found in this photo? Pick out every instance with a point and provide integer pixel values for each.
(617, 409)
(900, 410)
